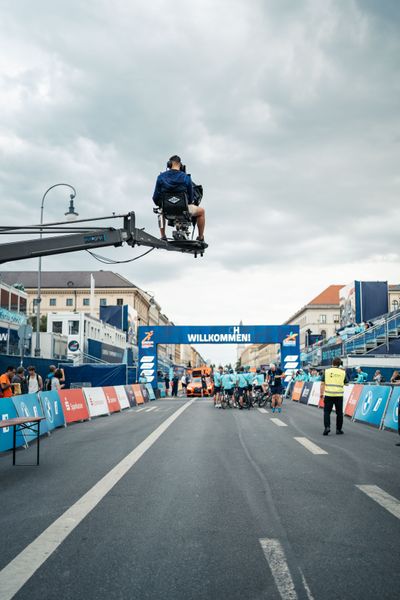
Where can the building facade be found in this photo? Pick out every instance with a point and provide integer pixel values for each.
(13, 306)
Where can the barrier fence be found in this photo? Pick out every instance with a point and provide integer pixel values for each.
(60, 408)
(376, 405)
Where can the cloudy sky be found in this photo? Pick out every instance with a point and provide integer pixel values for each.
(287, 111)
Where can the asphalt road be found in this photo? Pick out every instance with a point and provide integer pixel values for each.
(211, 504)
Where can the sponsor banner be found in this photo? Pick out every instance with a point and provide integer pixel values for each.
(297, 389)
(112, 399)
(122, 397)
(315, 394)
(73, 405)
(145, 393)
(138, 393)
(305, 392)
(161, 387)
(150, 391)
(391, 420)
(347, 391)
(8, 411)
(28, 405)
(353, 399)
(52, 409)
(96, 401)
(130, 394)
(372, 404)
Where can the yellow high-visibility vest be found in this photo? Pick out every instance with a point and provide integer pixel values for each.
(334, 382)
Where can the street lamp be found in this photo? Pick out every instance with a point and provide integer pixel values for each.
(71, 213)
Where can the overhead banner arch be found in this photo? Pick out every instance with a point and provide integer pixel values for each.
(149, 338)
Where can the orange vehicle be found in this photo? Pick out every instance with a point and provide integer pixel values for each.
(195, 388)
(203, 370)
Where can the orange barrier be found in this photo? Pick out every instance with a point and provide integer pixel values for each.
(297, 389)
(112, 399)
(353, 399)
(138, 393)
(73, 405)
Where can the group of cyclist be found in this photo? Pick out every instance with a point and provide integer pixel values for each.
(240, 388)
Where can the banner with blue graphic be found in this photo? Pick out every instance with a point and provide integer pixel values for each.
(391, 420)
(52, 409)
(285, 335)
(28, 405)
(372, 403)
(7, 411)
(150, 391)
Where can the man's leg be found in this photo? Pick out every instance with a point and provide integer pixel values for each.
(199, 213)
(162, 228)
(328, 404)
(278, 402)
(339, 413)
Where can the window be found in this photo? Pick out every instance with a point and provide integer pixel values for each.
(86, 302)
(322, 319)
(22, 305)
(103, 301)
(395, 305)
(120, 301)
(53, 301)
(73, 327)
(336, 318)
(69, 302)
(57, 327)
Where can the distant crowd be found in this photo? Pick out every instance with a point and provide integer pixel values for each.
(361, 376)
(16, 381)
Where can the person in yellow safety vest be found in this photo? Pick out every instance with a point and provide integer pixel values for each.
(334, 378)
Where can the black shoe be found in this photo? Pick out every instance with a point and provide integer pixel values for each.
(339, 432)
(164, 238)
(398, 444)
(326, 431)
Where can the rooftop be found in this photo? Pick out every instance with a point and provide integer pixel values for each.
(329, 296)
(61, 279)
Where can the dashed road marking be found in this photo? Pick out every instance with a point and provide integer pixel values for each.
(140, 409)
(26, 563)
(262, 410)
(389, 502)
(276, 559)
(313, 448)
(278, 422)
(152, 408)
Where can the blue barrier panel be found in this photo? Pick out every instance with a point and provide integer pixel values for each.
(150, 390)
(372, 403)
(391, 420)
(28, 405)
(52, 409)
(161, 387)
(7, 411)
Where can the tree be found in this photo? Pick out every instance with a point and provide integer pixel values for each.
(43, 323)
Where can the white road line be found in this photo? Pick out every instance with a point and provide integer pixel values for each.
(383, 498)
(140, 409)
(313, 448)
(24, 565)
(278, 422)
(306, 587)
(276, 559)
(152, 408)
(262, 410)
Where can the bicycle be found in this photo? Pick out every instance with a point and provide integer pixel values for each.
(263, 398)
(226, 400)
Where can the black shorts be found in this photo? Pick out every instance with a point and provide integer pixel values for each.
(249, 387)
(217, 389)
(229, 391)
(276, 391)
(242, 390)
(258, 388)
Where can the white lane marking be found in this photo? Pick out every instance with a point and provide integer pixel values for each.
(383, 498)
(306, 586)
(278, 422)
(262, 410)
(24, 565)
(152, 408)
(140, 409)
(313, 448)
(276, 559)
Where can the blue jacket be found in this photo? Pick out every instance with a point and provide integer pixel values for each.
(173, 181)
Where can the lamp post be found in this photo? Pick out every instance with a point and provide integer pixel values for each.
(70, 215)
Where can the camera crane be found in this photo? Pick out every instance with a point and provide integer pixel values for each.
(71, 238)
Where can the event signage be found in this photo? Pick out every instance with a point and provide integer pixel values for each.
(137, 390)
(305, 392)
(122, 397)
(353, 399)
(130, 394)
(74, 405)
(315, 394)
(149, 337)
(112, 399)
(150, 391)
(372, 403)
(346, 394)
(28, 405)
(51, 405)
(297, 389)
(8, 411)
(96, 401)
(391, 420)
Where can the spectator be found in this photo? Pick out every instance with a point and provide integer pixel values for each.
(378, 378)
(166, 381)
(50, 375)
(184, 384)
(175, 382)
(57, 379)
(361, 376)
(315, 376)
(142, 378)
(19, 381)
(6, 386)
(34, 381)
(395, 378)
